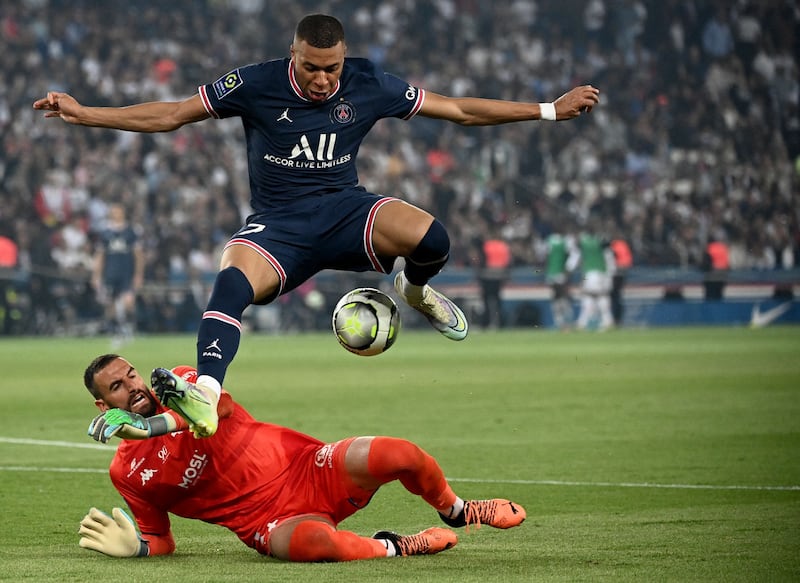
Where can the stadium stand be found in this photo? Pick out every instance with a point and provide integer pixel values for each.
(697, 136)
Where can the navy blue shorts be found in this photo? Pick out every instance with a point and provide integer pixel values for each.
(332, 231)
(118, 283)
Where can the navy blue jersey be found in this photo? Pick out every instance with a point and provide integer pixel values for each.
(118, 247)
(298, 148)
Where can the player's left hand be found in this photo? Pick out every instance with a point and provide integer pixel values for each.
(114, 535)
(576, 101)
(123, 424)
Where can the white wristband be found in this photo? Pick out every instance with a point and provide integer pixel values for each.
(547, 111)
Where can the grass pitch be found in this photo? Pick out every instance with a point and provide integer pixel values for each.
(640, 455)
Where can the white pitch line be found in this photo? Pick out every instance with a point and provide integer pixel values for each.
(476, 481)
(60, 470)
(628, 485)
(24, 441)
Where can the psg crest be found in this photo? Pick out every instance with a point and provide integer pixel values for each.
(343, 112)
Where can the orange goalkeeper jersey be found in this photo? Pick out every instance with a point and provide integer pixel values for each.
(227, 479)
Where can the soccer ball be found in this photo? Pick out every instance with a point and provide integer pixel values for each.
(366, 321)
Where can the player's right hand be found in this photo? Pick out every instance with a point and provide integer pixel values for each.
(119, 422)
(58, 104)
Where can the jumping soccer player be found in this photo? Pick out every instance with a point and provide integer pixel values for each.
(304, 119)
(282, 492)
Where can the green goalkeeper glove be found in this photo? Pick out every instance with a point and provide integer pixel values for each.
(127, 425)
(115, 535)
(117, 421)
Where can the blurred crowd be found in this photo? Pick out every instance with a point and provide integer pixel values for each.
(696, 138)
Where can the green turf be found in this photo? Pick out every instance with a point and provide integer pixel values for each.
(640, 455)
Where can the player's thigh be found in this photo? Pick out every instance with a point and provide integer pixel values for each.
(595, 283)
(399, 227)
(560, 291)
(258, 270)
(117, 284)
(356, 462)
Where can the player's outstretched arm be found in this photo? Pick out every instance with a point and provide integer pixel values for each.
(154, 116)
(127, 425)
(476, 111)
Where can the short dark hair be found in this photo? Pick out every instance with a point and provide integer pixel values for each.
(95, 367)
(320, 31)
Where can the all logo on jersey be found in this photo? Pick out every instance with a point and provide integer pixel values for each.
(227, 83)
(118, 244)
(323, 151)
(308, 155)
(343, 112)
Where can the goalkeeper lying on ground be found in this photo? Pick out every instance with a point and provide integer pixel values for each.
(280, 491)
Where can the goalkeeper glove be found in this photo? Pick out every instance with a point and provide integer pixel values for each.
(127, 425)
(115, 535)
(117, 421)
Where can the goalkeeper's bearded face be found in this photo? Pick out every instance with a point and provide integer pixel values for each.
(122, 387)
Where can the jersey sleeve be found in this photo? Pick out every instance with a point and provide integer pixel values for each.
(159, 545)
(154, 526)
(400, 98)
(152, 522)
(229, 96)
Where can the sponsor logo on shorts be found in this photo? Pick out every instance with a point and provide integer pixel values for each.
(324, 456)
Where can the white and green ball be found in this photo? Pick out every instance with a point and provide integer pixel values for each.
(366, 321)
